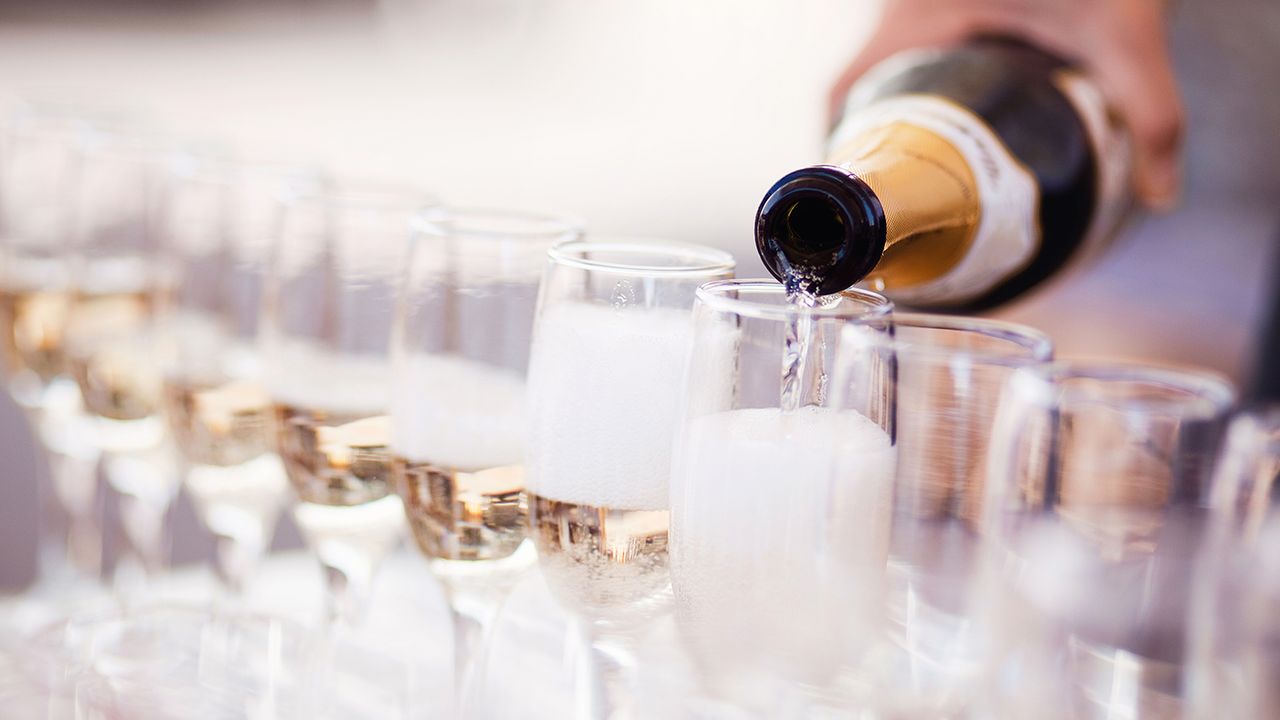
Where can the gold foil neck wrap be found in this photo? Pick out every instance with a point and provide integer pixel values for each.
(929, 195)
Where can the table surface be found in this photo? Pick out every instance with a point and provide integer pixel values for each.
(529, 671)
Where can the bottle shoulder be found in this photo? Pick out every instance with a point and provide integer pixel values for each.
(1016, 90)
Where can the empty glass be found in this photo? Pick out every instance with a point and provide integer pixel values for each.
(460, 354)
(1235, 672)
(610, 343)
(1096, 500)
(780, 490)
(950, 371)
(326, 336)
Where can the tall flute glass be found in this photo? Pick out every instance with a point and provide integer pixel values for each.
(1098, 484)
(218, 225)
(326, 338)
(39, 169)
(610, 344)
(460, 354)
(1235, 668)
(111, 340)
(950, 372)
(780, 492)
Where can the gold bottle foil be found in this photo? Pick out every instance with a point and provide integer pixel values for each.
(929, 195)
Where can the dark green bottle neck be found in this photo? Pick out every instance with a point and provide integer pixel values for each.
(821, 228)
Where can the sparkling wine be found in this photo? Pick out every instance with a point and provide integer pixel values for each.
(458, 439)
(336, 459)
(601, 560)
(463, 514)
(604, 399)
(111, 353)
(221, 425)
(780, 538)
(33, 324)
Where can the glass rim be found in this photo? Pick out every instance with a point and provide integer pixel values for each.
(714, 295)
(1036, 344)
(712, 261)
(562, 228)
(1207, 393)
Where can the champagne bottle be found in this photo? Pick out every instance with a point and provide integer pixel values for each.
(957, 178)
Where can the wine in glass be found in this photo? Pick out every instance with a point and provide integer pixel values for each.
(111, 338)
(328, 315)
(611, 340)
(460, 354)
(219, 226)
(40, 159)
(781, 488)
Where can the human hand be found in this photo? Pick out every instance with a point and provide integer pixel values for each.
(1121, 42)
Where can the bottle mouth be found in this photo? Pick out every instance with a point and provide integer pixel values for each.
(821, 227)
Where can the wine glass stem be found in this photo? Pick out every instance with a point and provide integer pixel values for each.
(348, 590)
(600, 677)
(145, 527)
(71, 532)
(237, 557)
(145, 482)
(473, 607)
(470, 639)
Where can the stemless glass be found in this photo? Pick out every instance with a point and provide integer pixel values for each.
(218, 225)
(326, 336)
(1235, 665)
(39, 168)
(460, 352)
(110, 333)
(1096, 499)
(950, 371)
(610, 344)
(780, 493)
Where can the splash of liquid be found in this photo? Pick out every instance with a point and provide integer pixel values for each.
(803, 345)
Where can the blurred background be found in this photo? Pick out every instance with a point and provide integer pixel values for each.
(658, 118)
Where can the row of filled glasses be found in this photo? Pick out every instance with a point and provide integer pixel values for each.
(846, 510)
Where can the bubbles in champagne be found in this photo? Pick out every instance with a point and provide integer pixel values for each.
(332, 430)
(780, 532)
(604, 396)
(302, 375)
(458, 413)
(458, 439)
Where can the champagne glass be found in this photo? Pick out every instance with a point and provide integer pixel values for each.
(460, 354)
(610, 343)
(219, 221)
(781, 486)
(326, 336)
(1096, 499)
(950, 371)
(110, 333)
(39, 169)
(1235, 666)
